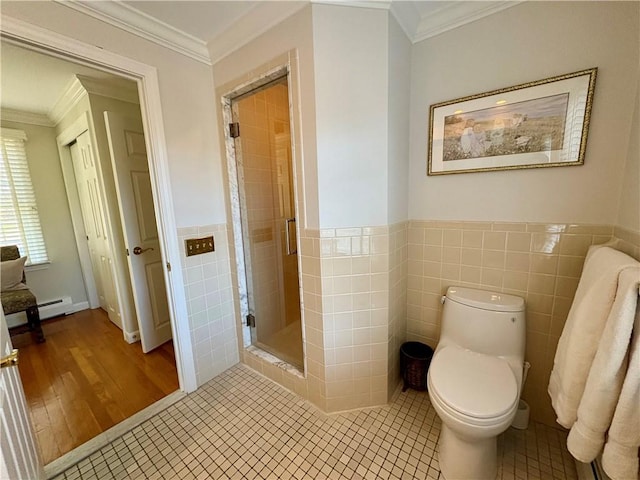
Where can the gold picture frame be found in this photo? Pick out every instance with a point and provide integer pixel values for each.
(537, 124)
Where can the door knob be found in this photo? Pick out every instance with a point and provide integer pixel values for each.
(10, 360)
(138, 250)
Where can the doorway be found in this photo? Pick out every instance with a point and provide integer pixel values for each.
(269, 263)
(161, 292)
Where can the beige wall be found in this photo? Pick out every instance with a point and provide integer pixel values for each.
(530, 41)
(398, 105)
(629, 208)
(351, 67)
(294, 33)
(63, 275)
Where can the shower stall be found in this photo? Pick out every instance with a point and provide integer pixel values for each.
(265, 220)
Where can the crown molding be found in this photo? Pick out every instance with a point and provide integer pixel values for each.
(251, 25)
(81, 85)
(120, 89)
(455, 15)
(376, 4)
(407, 16)
(268, 14)
(69, 98)
(129, 19)
(31, 118)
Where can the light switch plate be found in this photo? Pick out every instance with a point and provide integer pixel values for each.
(198, 246)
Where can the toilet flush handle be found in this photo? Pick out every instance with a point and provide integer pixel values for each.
(442, 299)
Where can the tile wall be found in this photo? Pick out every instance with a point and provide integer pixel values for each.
(366, 290)
(208, 291)
(627, 241)
(355, 315)
(540, 262)
(397, 302)
(354, 305)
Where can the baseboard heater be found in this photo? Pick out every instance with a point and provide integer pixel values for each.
(48, 309)
(53, 308)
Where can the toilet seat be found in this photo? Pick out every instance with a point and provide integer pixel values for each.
(472, 386)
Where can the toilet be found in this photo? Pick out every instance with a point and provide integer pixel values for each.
(475, 378)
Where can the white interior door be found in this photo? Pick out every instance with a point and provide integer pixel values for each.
(86, 173)
(19, 454)
(133, 186)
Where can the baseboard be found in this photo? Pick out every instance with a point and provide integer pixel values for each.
(20, 318)
(78, 307)
(132, 337)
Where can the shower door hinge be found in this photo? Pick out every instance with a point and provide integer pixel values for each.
(234, 130)
(251, 321)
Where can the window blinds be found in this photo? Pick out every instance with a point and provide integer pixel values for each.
(19, 220)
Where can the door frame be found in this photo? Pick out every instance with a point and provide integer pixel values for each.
(146, 76)
(236, 192)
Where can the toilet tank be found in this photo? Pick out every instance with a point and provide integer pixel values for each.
(487, 322)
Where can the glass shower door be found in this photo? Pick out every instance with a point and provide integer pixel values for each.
(267, 209)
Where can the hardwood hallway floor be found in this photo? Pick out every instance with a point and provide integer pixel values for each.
(85, 379)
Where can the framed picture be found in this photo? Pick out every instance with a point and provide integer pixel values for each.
(536, 124)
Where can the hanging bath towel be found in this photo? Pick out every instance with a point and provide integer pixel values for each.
(620, 457)
(608, 372)
(583, 329)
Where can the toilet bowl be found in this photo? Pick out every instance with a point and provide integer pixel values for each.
(475, 378)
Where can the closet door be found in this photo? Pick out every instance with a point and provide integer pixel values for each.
(86, 173)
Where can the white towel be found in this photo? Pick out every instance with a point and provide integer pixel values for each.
(607, 374)
(620, 457)
(583, 329)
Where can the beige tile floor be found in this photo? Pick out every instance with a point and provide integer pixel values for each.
(242, 425)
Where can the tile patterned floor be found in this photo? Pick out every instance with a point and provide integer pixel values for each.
(241, 425)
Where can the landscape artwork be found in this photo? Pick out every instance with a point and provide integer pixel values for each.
(543, 123)
(523, 127)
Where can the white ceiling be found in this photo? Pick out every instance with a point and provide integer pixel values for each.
(204, 20)
(33, 82)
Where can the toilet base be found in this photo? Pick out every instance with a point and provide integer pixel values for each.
(461, 459)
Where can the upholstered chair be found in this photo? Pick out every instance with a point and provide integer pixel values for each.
(21, 300)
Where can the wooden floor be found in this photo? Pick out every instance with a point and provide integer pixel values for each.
(85, 379)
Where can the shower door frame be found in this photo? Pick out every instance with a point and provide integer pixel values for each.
(235, 194)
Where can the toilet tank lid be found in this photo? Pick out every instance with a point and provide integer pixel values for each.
(495, 301)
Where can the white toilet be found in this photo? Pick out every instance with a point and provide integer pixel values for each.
(475, 378)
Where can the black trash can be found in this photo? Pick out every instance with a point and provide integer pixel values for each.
(415, 358)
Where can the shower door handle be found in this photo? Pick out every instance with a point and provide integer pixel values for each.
(287, 235)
